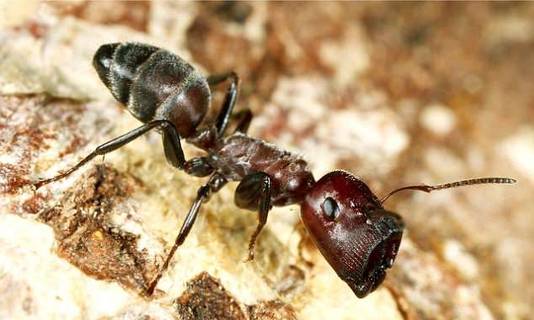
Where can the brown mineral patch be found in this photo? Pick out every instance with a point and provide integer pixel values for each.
(21, 118)
(206, 35)
(271, 310)
(403, 305)
(36, 28)
(35, 136)
(206, 298)
(235, 11)
(34, 204)
(27, 124)
(134, 14)
(74, 145)
(105, 254)
(12, 178)
(86, 236)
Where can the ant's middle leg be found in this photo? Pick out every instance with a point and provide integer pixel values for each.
(254, 193)
(215, 183)
(174, 148)
(198, 167)
(229, 100)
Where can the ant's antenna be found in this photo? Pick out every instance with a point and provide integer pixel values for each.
(427, 188)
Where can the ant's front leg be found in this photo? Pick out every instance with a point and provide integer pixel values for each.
(254, 193)
(173, 148)
(215, 183)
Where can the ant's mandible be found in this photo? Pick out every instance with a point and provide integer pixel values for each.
(347, 222)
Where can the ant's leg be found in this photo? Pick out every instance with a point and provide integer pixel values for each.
(202, 194)
(115, 144)
(172, 146)
(215, 183)
(254, 192)
(216, 79)
(198, 167)
(244, 118)
(229, 100)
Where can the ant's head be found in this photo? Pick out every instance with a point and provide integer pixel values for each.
(352, 230)
(356, 235)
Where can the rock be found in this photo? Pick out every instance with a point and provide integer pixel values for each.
(365, 88)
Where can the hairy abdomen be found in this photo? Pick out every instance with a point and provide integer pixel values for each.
(154, 84)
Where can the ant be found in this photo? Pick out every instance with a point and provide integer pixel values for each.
(347, 222)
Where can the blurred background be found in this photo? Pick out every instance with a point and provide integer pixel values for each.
(397, 93)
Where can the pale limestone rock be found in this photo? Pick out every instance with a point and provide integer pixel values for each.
(115, 219)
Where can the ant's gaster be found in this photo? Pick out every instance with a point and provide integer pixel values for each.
(347, 222)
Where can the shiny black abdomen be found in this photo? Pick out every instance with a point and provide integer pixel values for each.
(154, 84)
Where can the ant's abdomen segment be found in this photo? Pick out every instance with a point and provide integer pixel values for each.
(154, 84)
(117, 64)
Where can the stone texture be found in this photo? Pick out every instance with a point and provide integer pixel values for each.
(396, 93)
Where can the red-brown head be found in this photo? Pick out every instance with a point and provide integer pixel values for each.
(348, 224)
(356, 235)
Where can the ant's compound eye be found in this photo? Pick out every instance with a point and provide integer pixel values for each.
(330, 209)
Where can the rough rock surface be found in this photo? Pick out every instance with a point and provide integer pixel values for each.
(396, 93)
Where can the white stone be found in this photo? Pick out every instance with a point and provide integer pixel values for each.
(438, 119)
(519, 149)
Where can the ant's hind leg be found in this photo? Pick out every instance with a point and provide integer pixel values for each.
(229, 100)
(244, 118)
(254, 193)
(116, 143)
(215, 183)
